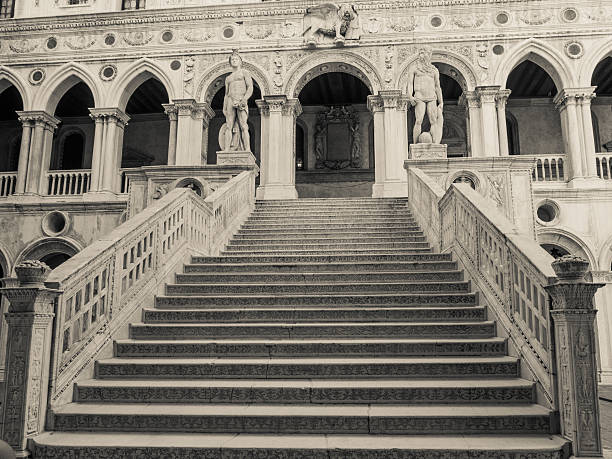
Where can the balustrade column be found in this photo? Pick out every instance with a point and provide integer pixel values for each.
(38, 154)
(575, 348)
(30, 328)
(392, 181)
(474, 116)
(488, 119)
(566, 103)
(172, 112)
(278, 117)
(24, 151)
(500, 103)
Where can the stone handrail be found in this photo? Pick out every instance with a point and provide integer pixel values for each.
(550, 168)
(104, 286)
(71, 182)
(8, 180)
(509, 269)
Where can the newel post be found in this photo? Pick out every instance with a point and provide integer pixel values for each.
(573, 317)
(30, 328)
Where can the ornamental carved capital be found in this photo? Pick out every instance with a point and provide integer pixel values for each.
(39, 118)
(376, 104)
(501, 98)
(487, 94)
(571, 297)
(171, 111)
(110, 115)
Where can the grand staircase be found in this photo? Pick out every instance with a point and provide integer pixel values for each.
(326, 329)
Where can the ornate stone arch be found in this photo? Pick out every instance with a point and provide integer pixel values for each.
(7, 258)
(8, 78)
(332, 61)
(213, 81)
(590, 62)
(61, 141)
(134, 76)
(570, 242)
(540, 53)
(605, 255)
(47, 246)
(60, 82)
(453, 65)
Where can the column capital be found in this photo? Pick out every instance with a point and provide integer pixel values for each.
(502, 97)
(470, 99)
(272, 104)
(115, 114)
(487, 94)
(171, 111)
(205, 111)
(572, 96)
(292, 107)
(39, 117)
(393, 98)
(375, 104)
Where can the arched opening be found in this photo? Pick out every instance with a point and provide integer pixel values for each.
(218, 120)
(52, 251)
(53, 260)
(555, 250)
(601, 107)
(145, 138)
(531, 112)
(73, 140)
(300, 148)
(337, 140)
(454, 132)
(10, 128)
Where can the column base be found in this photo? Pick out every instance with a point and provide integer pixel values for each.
(235, 158)
(102, 195)
(427, 151)
(586, 182)
(397, 189)
(271, 192)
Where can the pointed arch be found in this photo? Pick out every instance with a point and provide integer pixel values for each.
(133, 77)
(210, 83)
(591, 61)
(541, 54)
(60, 82)
(332, 61)
(569, 241)
(466, 75)
(8, 78)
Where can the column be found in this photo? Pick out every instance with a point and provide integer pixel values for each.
(172, 112)
(208, 114)
(566, 103)
(584, 96)
(500, 103)
(24, 151)
(488, 119)
(390, 126)
(277, 162)
(573, 317)
(473, 106)
(42, 126)
(96, 158)
(30, 329)
(190, 115)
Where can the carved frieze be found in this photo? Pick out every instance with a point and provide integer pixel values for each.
(80, 42)
(258, 31)
(197, 35)
(536, 17)
(401, 24)
(23, 46)
(137, 38)
(468, 21)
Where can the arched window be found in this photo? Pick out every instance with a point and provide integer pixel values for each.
(514, 147)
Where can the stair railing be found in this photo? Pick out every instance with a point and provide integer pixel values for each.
(514, 277)
(102, 288)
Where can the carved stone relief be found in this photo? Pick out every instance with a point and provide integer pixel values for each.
(337, 125)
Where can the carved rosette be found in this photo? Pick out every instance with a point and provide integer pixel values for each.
(573, 316)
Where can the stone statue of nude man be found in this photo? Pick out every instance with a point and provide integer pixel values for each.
(238, 90)
(425, 94)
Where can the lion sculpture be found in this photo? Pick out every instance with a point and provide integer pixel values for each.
(329, 20)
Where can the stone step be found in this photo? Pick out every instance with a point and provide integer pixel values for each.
(331, 201)
(325, 234)
(305, 418)
(164, 445)
(349, 214)
(338, 228)
(365, 314)
(307, 277)
(315, 367)
(307, 391)
(273, 239)
(396, 256)
(317, 300)
(329, 252)
(302, 288)
(404, 267)
(332, 220)
(480, 329)
(319, 347)
(311, 246)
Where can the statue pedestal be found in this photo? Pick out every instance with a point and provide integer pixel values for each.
(235, 158)
(427, 151)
